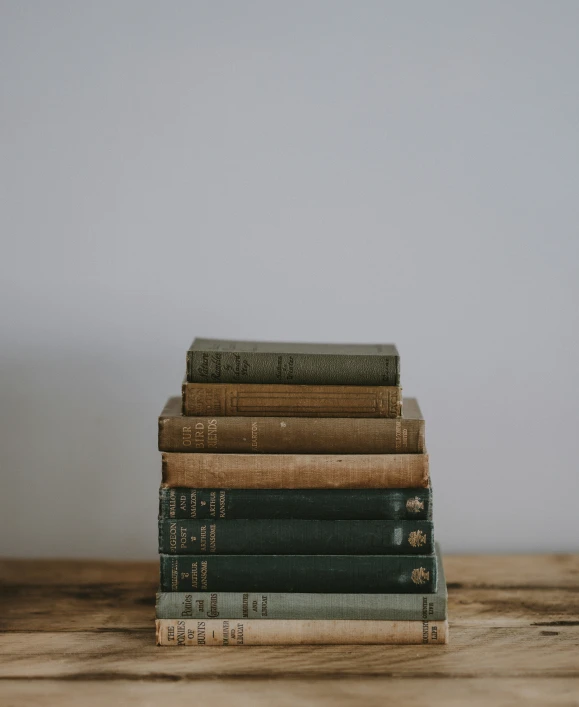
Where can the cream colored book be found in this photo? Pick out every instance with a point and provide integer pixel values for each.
(280, 632)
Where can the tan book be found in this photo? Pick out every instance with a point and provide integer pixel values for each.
(295, 471)
(291, 435)
(247, 399)
(280, 632)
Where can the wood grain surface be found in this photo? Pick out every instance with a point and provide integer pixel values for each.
(82, 632)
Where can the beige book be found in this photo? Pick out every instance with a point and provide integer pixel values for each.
(279, 632)
(295, 471)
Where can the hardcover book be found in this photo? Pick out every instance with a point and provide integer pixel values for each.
(328, 504)
(293, 435)
(247, 632)
(297, 537)
(223, 361)
(266, 400)
(295, 471)
(353, 574)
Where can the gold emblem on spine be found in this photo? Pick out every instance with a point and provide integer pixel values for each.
(420, 575)
(417, 538)
(413, 505)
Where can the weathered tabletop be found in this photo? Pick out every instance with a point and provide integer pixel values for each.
(81, 633)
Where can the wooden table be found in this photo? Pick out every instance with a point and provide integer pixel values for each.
(81, 633)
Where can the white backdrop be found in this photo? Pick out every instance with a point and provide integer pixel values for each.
(306, 170)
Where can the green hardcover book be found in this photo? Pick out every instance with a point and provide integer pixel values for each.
(275, 536)
(316, 504)
(312, 606)
(223, 361)
(350, 574)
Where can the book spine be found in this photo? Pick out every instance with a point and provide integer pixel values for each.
(323, 504)
(295, 471)
(298, 435)
(355, 574)
(242, 399)
(268, 605)
(283, 536)
(293, 369)
(279, 632)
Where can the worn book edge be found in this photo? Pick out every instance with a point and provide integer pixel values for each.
(295, 471)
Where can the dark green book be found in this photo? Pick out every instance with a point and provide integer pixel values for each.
(295, 605)
(222, 361)
(316, 504)
(298, 537)
(355, 574)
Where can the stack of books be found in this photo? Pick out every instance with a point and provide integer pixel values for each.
(295, 506)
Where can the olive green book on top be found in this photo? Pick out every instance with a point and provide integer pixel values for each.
(225, 361)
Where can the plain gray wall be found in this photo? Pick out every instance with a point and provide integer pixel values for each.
(305, 170)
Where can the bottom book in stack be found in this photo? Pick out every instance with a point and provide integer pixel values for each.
(231, 618)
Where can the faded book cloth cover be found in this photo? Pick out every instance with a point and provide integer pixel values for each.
(267, 400)
(280, 632)
(274, 605)
(280, 536)
(338, 504)
(228, 361)
(355, 574)
(295, 471)
(300, 435)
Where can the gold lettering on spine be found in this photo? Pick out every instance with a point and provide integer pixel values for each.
(173, 538)
(213, 612)
(174, 575)
(180, 633)
(203, 369)
(417, 538)
(420, 575)
(202, 400)
(195, 398)
(413, 505)
(187, 610)
(212, 434)
(394, 403)
(187, 436)
(199, 435)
